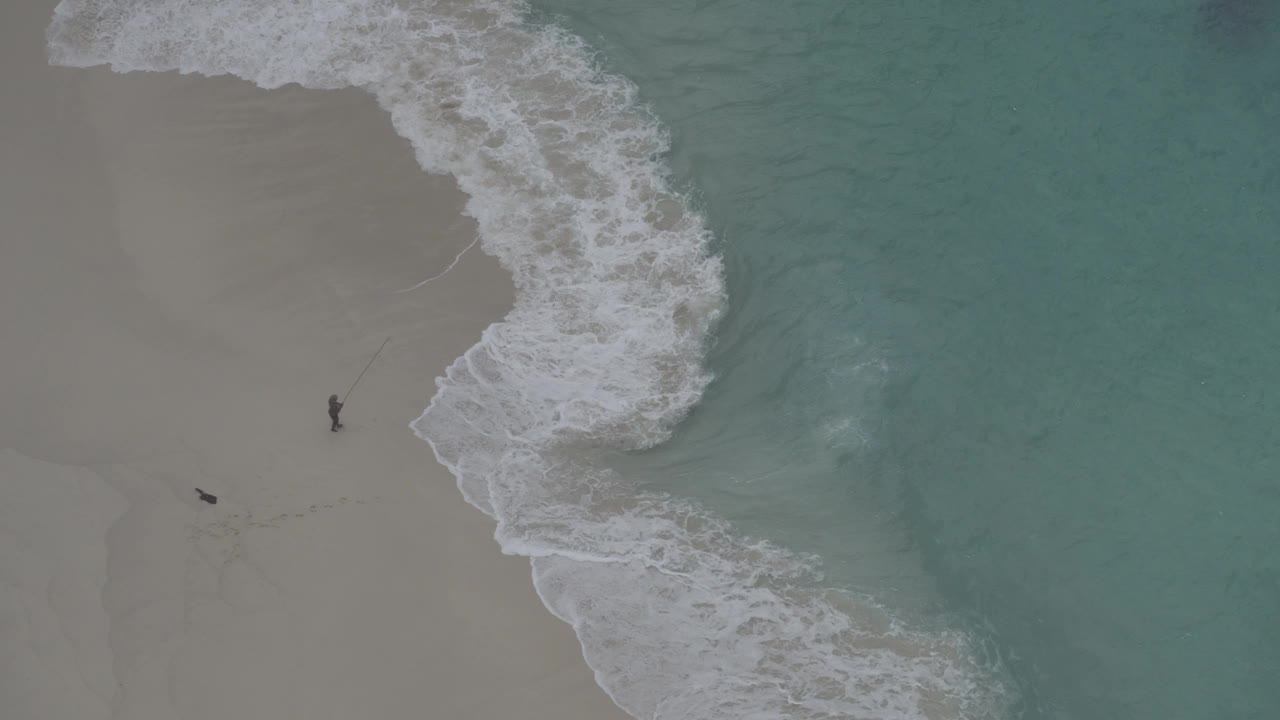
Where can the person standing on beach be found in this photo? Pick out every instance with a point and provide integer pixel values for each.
(334, 408)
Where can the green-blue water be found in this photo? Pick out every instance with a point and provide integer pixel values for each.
(1004, 320)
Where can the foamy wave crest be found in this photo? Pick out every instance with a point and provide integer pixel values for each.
(617, 293)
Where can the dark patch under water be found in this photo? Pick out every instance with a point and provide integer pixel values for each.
(1236, 24)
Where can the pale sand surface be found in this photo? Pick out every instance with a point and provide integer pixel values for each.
(188, 268)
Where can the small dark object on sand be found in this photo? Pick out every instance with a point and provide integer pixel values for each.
(211, 499)
(1236, 24)
(335, 407)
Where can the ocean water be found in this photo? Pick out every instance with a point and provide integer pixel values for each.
(1002, 297)
(878, 360)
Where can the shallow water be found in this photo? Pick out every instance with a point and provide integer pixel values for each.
(1003, 325)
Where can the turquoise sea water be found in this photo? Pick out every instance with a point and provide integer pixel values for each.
(1003, 324)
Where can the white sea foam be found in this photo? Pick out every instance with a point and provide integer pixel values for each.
(617, 293)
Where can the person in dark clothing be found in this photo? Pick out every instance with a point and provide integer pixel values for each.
(334, 408)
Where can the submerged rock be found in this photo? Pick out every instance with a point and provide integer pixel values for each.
(1236, 24)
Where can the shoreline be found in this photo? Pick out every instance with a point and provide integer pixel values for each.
(197, 263)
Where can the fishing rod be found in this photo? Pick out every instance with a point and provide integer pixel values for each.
(362, 372)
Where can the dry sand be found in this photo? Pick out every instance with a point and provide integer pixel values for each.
(188, 268)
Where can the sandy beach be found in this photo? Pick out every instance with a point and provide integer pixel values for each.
(188, 268)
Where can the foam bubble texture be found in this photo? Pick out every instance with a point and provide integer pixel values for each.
(616, 296)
